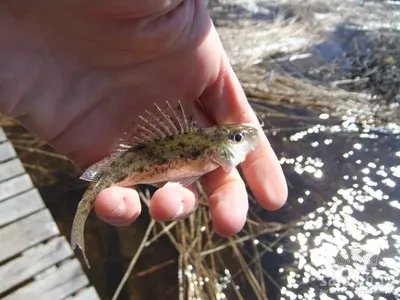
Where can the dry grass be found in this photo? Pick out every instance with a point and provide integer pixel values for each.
(210, 265)
(259, 37)
(249, 42)
(286, 91)
(43, 163)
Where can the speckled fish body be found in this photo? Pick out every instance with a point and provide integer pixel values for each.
(166, 147)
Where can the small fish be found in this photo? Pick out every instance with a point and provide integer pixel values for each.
(164, 147)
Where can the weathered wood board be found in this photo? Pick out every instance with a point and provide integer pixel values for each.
(35, 261)
(44, 256)
(15, 186)
(86, 294)
(56, 285)
(25, 233)
(10, 169)
(12, 210)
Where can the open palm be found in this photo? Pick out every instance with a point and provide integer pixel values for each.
(77, 74)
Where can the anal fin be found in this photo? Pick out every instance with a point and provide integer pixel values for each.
(185, 182)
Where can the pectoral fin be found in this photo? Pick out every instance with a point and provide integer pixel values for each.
(95, 171)
(226, 165)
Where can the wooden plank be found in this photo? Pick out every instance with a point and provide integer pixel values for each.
(25, 233)
(7, 151)
(15, 186)
(32, 262)
(86, 294)
(64, 281)
(20, 206)
(3, 136)
(10, 169)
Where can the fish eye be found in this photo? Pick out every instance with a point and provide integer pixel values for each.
(237, 137)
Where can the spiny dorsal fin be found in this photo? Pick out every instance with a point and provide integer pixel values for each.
(157, 125)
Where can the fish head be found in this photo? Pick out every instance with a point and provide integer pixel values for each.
(235, 141)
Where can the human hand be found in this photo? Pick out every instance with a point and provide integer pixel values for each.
(77, 74)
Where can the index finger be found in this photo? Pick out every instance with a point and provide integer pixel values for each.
(261, 167)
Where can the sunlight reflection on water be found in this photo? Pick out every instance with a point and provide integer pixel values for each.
(349, 245)
(196, 283)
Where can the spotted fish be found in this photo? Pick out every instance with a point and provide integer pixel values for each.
(165, 146)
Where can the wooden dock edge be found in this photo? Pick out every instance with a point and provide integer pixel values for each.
(36, 262)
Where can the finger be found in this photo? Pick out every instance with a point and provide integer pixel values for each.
(226, 193)
(227, 197)
(225, 102)
(173, 202)
(118, 206)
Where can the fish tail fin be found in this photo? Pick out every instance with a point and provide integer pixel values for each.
(82, 213)
(77, 235)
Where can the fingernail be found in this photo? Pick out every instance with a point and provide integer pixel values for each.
(119, 210)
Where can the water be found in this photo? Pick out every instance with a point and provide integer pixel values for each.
(344, 191)
(344, 187)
